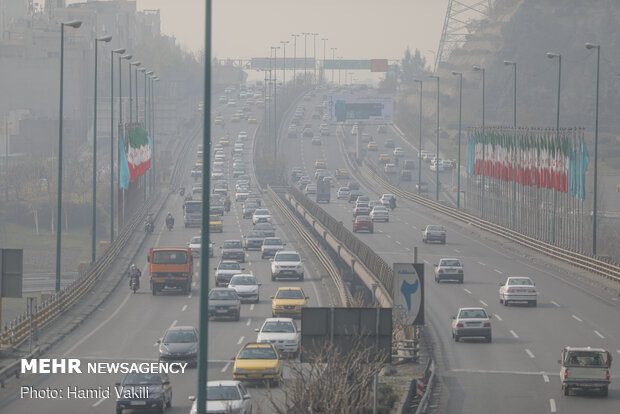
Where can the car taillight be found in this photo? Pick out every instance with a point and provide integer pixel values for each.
(440, 271)
(531, 290)
(509, 290)
(565, 373)
(608, 376)
(487, 324)
(459, 325)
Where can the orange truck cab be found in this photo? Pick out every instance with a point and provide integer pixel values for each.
(170, 267)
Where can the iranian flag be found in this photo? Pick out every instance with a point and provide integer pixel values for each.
(138, 152)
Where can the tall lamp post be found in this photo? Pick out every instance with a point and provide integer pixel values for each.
(324, 39)
(74, 24)
(557, 137)
(136, 74)
(314, 35)
(420, 144)
(458, 168)
(594, 211)
(284, 43)
(142, 70)
(275, 94)
(333, 61)
(437, 144)
(120, 89)
(93, 246)
(514, 126)
(153, 161)
(295, 36)
(119, 52)
(305, 53)
(135, 63)
(484, 136)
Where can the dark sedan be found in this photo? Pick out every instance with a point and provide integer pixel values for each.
(144, 391)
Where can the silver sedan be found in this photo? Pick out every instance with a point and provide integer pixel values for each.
(471, 322)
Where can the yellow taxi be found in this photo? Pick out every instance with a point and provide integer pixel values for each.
(320, 164)
(342, 173)
(235, 118)
(288, 301)
(372, 146)
(218, 120)
(252, 120)
(384, 158)
(224, 141)
(258, 362)
(216, 223)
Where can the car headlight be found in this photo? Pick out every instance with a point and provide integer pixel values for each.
(155, 395)
(279, 307)
(163, 349)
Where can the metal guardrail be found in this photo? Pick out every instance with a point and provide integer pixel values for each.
(429, 378)
(343, 291)
(608, 270)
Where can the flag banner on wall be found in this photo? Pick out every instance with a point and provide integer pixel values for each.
(138, 152)
(536, 157)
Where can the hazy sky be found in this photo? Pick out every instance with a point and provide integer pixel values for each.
(358, 28)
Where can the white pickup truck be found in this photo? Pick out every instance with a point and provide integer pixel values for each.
(586, 369)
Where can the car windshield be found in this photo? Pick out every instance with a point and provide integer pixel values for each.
(229, 266)
(180, 336)
(243, 280)
(222, 393)
(255, 234)
(272, 242)
(169, 257)
(288, 257)
(142, 379)
(520, 281)
(585, 359)
(223, 294)
(435, 228)
(290, 294)
(261, 212)
(449, 262)
(473, 314)
(278, 326)
(195, 240)
(257, 353)
(233, 245)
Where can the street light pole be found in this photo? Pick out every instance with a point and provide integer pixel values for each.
(557, 137)
(136, 63)
(74, 24)
(93, 246)
(324, 39)
(305, 54)
(437, 145)
(594, 210)
(333, 61)
(275, 93)
(284, 43)
(314, 35)
(420, 144)
(118, 51)
(484, 138)
(295, 36)
(514, 126)
(136, 74)
(458, 170)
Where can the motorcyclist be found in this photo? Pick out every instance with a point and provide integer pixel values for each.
(393, 203)
(182, 191)
(134, 272)
(148, 223)
(169, 220)
(227, 203)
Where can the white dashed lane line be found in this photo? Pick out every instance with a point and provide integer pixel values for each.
(514, 333)
(483, 303)
(426, 261)
(527, 351)
(555, 303)
(252, 307)
(466, 290)
(498, 317)
(240, 340)
(397, 242)
(482, 264)
(552, 405)
(545, 377)
(577, 318)
(226, 366)
(498, 271)
(599, 334)
(249, 322)
(457, 250)
(184, 308)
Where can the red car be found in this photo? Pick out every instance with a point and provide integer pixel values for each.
(363, 223)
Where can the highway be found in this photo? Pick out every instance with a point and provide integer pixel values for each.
(518, 372)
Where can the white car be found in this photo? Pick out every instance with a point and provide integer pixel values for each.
(225, 397)
(449, 269)
(380, 213)
(271, 245)
(194, 245)
(385, 199)
(261, 215)
(287, 263)
(398, 152)
(518, 289)
(281, 333)
(246, 286)
(471, 322)
(242, 135)
(343, 193)
(390, 168)
(437, 165)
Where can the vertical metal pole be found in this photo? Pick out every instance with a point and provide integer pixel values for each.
(130, 96)
(275, 108)
(112, 146)
(203, 343)
(144, 180)
(458, 175)
(376, 379)
(94, 218)
(557, 137)
(314, 51)
(59, 206)
(437, 149)
(305, 55)
(420, 145)
(594, 210)
(295, 36)
(514, 143)
(137, 113)
(484, 144)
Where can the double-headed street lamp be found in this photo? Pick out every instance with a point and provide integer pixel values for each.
(333, 61)
(324, 39)
(514, 126)
(284, 43)
(295, 36)
(420, 144)
(305, 54)
(437, 144)
(484, 136)
(274, 49)
(120, 84)
(93, 256)
(458, 168)
(557, 136)
(74, 24)
(119, 52)
(136, 64)
(594, 212)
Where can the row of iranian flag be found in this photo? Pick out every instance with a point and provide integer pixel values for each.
(135, 155)
(533, 157)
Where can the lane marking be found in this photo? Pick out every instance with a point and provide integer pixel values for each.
(184, 307)
(457, 250)
(545, 377)
(498, 271)
(467, 290)
(240, 340)
(407, 248)
(252, 307)
(527, 351)
(483, 303)
(514, 333)
(189, 296)
(480, 263)
(173, 324)
(226, 366)
(91, 333)
(414, 227)
(555, 303)
(388, 236)
(577, 318)
(498, 317)
(99, 402)
(552, 405)
(249, 322)
(397, 242)
(599, 334)
(426, 261)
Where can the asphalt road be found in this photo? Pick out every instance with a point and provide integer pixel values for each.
(518, 372)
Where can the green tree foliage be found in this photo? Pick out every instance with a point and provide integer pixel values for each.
(412, 67)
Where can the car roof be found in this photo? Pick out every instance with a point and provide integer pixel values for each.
(279, 320)
(288, 251)
(584, 348)
(450, 258)
(461, 309)
(181, 328)
(222, 383)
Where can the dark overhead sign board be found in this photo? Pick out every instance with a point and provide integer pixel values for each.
(277, 63)
(11, 272)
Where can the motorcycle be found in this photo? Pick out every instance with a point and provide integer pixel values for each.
(135, 283)
(148, 227)
(182, 191)
(170, 224)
